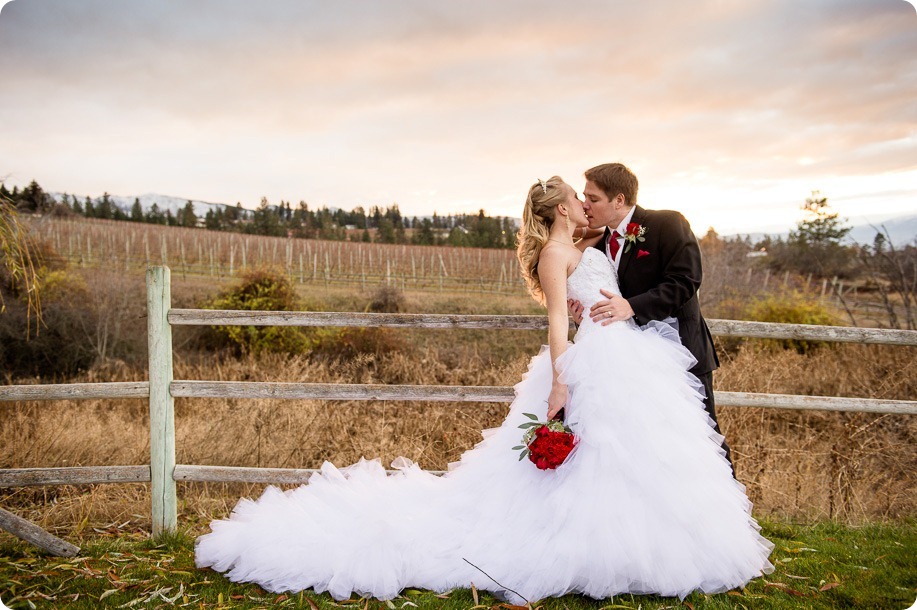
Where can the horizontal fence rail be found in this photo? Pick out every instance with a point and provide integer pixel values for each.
(74, 475)
(220, 317)
(504, 394)
(810, 332)
(73, 391)
(339, 391)
(242, 474)
(722, 328)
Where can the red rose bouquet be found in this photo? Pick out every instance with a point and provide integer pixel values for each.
(546, 444)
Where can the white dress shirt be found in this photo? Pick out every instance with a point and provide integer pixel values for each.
(621, 229)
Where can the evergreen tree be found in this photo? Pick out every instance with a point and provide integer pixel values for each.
(186, 216)
(136, 211)
(266, 220)
(155, 216)
(212, 219)
(89, 210)
(821, 226)
(386, 234)
(104, 209)
(815, 246)
(423, 235)
(33, 198)
(76, 206)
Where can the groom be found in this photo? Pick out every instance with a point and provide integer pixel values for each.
(659, 267)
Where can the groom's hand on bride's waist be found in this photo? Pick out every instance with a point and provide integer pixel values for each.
(615, 309)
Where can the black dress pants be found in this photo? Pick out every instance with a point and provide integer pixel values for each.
(707, 380)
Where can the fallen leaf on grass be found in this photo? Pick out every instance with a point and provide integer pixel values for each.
(797, 577)
(829, 586)
(107, 593)
(513, 607)
(474, 595)
(785, 588)
(311, 603)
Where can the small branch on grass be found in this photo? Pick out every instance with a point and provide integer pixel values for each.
(528, 603)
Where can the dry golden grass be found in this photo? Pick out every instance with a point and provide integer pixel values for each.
(808, 466)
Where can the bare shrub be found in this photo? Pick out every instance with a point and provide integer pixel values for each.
(89, 317)
(386, 299)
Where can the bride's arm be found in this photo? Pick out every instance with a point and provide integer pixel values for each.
(552, 272)
(587, 237)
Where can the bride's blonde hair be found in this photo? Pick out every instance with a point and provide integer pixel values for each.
(537, 217)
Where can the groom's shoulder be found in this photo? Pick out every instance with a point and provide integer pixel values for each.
(665, 216)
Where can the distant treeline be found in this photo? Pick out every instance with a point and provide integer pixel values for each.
(380, 225)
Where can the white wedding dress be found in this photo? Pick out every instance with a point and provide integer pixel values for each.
(646, 503)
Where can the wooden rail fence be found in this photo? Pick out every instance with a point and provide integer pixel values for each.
(162, 472)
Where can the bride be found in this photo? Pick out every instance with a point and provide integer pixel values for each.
(645, 503)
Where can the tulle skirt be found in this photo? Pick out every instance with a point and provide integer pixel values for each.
(645, 503)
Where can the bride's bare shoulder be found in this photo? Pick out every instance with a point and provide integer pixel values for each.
(559, 257)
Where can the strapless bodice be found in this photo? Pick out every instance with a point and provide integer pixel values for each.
(593, 273)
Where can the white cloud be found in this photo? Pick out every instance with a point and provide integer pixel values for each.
(736, 107)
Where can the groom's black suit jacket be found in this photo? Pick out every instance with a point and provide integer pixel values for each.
(664, 281)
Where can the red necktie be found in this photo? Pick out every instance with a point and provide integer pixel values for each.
(613, 245)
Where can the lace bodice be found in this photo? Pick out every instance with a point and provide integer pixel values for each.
(593, 273)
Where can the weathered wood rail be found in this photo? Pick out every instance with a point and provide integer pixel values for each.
(161, 390)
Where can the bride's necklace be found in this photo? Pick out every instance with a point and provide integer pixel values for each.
(561, 242)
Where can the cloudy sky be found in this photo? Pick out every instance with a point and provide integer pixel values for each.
(732, 111)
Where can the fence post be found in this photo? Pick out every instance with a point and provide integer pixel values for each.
(162, 412)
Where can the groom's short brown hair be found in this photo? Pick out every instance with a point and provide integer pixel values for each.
(614, 178)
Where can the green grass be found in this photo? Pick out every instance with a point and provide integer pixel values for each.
(826, 565)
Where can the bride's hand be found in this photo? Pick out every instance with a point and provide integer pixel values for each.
(557, 399)
(575, 309)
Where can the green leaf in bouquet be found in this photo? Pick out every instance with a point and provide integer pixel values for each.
(530, 416)
(518, 447)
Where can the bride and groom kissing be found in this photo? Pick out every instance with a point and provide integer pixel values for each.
(658, 263)
(645, 503)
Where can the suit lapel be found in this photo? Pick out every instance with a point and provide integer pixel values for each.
(638, 217)
(602, 244)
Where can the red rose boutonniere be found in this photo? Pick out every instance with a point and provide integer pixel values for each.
(546, 444)
(633, 234)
